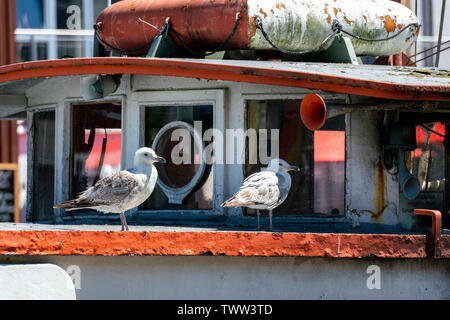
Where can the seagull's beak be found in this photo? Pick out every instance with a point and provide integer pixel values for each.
(161, 160)
(294, 168)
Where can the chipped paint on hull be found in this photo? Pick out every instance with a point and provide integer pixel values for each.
(115, 243)
(304, 24)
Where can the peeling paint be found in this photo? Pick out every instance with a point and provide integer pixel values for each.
(311, 19)
(231, 243)
(262, 12)
(369, 81)
(389, 24)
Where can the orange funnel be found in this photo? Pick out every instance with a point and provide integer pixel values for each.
(313, 111)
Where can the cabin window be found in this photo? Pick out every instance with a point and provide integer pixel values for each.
(43, 165)
(96, 144)
(185, 187)
(320, 155)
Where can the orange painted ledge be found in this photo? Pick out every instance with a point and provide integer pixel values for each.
(228, 243)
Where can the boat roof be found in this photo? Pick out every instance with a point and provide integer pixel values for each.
(390, 82)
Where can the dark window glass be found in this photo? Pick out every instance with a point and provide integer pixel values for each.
(43, 165)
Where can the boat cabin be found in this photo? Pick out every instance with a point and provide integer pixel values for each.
(374, 178)
(370, 133)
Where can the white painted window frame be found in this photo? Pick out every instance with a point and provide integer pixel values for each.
(63, 148)
(135, 119)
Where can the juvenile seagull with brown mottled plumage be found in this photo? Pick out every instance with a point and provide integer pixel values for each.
(264, 190)
(121, 191)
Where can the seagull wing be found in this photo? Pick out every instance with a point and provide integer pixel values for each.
(108, 191)
(112, 189)
(259, 189)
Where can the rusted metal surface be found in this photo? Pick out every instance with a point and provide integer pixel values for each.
(201, 24)
(291, 24)
(114, 243)
(7, 27)
(8, 130)
(303, 25)
(9, 145)
(401, 83)
(433, 241)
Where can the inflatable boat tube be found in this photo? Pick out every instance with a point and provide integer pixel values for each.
(295, 25)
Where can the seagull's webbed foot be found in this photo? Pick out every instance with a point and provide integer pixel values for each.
(123, 220)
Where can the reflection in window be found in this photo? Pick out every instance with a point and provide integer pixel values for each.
(65, 28)
(428, 159)
(179, 175)
(96, 144)
(29, 14)
(43, 165)
(319, 188)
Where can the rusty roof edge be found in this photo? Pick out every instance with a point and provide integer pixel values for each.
(281, 73)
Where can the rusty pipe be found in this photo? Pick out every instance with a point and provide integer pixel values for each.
(433, 241)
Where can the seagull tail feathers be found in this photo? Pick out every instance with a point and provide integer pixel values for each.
(72, 205)
(232, 202)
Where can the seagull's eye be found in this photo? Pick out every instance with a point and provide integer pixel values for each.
(145, 154)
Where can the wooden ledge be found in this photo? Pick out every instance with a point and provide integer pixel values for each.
(217, 243)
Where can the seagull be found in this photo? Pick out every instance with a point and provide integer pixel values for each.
(120, 191)
(264, 190)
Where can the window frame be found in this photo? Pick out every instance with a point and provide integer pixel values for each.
(180, 98)
(63, 150)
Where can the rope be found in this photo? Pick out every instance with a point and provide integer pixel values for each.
(166, 29)
(219, 48)
(258, 24)
(122, 51)
(432, 131)
(339, 27)
(336, 27)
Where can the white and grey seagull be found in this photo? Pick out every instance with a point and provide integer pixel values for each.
(121, 191)
(264, 190)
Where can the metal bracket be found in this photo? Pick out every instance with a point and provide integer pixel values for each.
(163, 46)
(433, 241)
(340, 51)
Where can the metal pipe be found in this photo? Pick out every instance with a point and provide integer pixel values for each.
(441, 25)
(433, 242)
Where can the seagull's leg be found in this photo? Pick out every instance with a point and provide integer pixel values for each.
(123, 220)
(257, 214)
(270, 220)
